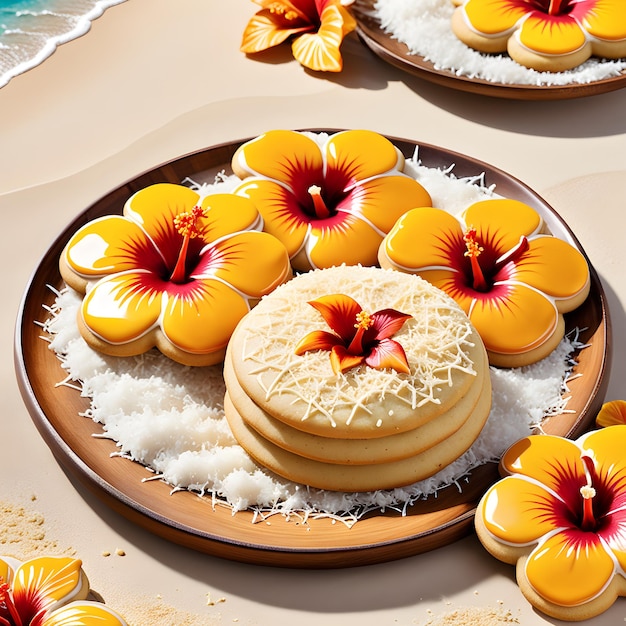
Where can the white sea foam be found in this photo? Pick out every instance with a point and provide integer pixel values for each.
(24, 48)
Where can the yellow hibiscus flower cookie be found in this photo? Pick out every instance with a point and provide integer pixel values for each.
(512, 278)
(545, 35)
(176, 271)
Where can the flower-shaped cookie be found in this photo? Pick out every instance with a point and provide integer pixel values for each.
(175, 271)
(546, 35)
(316, 26)
(513, 281)
(331, 204)
(49, 591)
(560, 514)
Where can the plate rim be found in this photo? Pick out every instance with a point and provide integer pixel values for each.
(383, 45)
(234, 548)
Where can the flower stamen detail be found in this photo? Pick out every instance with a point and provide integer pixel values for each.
(319, 206)
(6, 600)
(186, 224)
(474, 250)
(278, 8)
(588, 493)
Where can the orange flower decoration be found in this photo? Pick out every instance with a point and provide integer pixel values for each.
(176, 271)
(49, 591)
(316, 26)
(358, 337)
(612, 413)
(329, 203)
(513, 280)
(553, 35)
(560, 514)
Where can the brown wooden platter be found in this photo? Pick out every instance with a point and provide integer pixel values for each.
(193, 521)
(397, 54)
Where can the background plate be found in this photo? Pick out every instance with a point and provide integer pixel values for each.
(189, 520)
(397, 54)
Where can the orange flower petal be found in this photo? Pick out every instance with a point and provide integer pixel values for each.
(252, 262)
(607, 20)
(612, 413)
(355, 155)
(122, 307)
(262, 32)
(43, 582)
(281, 217)
(154, 208)
(544, 458)
(559, 569)
(85, 613)
(499, 223)
(425, 238)
(341, 360)
(227, 213)
(549, 35)
(317, 340)
(494, 17)
(320, 51)
(556, 268)
(517, 511)
(282, 155)
(339, 312)
(106, 245)
(521, 320)
(398, 194)
(203, 322)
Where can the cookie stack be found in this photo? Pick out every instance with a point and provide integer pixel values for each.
(366, 428)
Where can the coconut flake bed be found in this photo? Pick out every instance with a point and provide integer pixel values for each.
(424, 27)
(169, 417)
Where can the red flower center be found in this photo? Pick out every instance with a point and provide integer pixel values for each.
(186, 224)
(483, 275)
(7, 606)
(553, 7)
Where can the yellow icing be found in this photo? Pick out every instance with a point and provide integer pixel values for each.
(54, 589)
(516, 311)
(535, 511)
(145, 271)
(316, 39)
(356, 175)
(561, 32)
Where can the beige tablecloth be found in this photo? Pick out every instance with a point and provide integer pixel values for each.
(156, 79)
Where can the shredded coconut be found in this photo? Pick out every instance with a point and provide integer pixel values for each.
(170, 418)
(424, 27)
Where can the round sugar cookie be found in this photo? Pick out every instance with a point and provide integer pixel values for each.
(353, 451)
(349, 478)
(444, 352)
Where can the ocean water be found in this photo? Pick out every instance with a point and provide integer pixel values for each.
(30, 30)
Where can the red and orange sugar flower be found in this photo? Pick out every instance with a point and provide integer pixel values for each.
(329, 199)
(358, 337)
(553, 35)
(559, 513)
(512, 279)
(49, 591)
(315, 27)
(176, 271)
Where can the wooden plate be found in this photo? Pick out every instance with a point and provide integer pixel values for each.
(397, 54)
(189, 520)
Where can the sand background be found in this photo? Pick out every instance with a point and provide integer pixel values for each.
(156, 79)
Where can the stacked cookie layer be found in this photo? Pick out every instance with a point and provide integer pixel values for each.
(366, 428)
